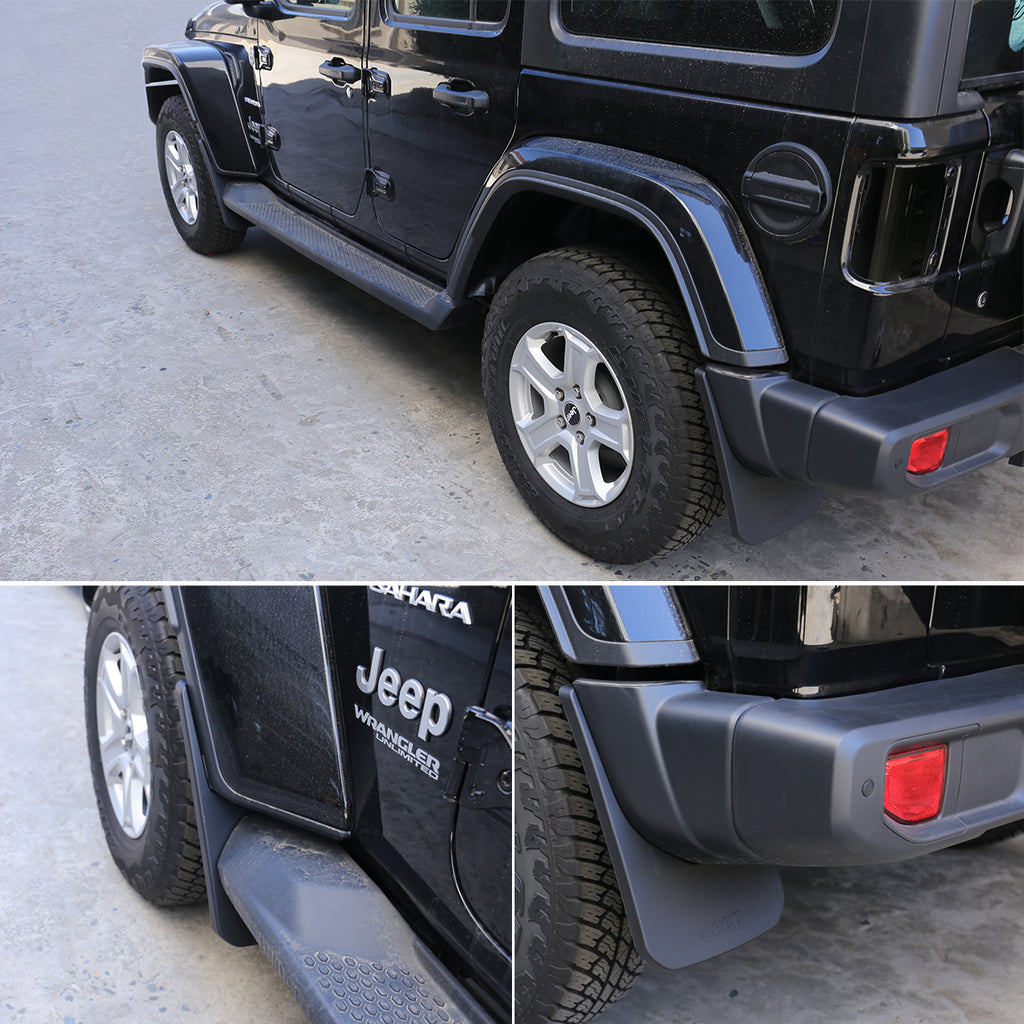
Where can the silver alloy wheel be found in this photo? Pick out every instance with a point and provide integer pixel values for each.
(181, 177)
(571, 414)
(123, 734)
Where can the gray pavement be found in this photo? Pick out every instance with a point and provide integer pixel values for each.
(167, 415)
(936, 941)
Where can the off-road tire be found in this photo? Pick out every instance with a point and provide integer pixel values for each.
(209, 234)
(164, 863)
(635, 318)
(573, 950)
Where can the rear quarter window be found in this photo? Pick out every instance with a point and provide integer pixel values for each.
(788, 27)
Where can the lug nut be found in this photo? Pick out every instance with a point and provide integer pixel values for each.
(561, 422)
(591, 419)
(576, 391)
(580, 437)
(559, 394)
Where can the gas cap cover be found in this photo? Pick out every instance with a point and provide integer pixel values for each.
(787, 191)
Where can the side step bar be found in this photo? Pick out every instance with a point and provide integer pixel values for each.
(345, 952)
(415, 296)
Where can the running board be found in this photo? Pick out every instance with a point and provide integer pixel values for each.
(345, 952)
(415, 296)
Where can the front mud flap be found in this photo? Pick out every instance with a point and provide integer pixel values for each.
(680, 913)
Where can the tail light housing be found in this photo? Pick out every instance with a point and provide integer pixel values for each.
(914, 783)
(899, 223)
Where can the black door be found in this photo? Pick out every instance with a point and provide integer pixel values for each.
(441, 88)
(310, 76)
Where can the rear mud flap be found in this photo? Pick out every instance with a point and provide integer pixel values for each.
(680, 913)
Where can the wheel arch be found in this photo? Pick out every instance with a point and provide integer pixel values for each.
(551, 192)
(216, 83)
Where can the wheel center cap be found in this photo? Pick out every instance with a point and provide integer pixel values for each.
(572, 414)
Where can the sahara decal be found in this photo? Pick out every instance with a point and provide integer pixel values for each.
(401, 745)
(433, 709)
(420, 597)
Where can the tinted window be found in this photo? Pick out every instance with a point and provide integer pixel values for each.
(761, 26)
(996, 40)
(452, 10)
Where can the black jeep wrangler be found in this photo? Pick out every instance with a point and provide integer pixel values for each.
(676, 745)
(735, 252)
(332, 768)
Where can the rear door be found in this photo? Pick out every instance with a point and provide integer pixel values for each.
(310, 72)
(423, 677)
(441, 89)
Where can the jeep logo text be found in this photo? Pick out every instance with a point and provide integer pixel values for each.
(433, 709)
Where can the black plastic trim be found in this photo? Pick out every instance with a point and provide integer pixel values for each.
(692, 222)
(201, 71)
(734, 778)
(581, 646)
(218, 780)
(402, 289)
(216, 819)
(679, 913)
(782, 427)
(335, 937)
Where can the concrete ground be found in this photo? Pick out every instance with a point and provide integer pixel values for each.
(167, 415)
(78, 945)
(934, 941)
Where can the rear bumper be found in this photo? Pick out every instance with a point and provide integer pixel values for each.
(729, 778)
(781, 427)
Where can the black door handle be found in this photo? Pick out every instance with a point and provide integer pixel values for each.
(338, 71)
(462, 100)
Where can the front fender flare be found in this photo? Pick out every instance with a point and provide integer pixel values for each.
(690, 219)
(216, 82)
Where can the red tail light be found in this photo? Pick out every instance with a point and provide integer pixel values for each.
(914, 784)
(926, 452)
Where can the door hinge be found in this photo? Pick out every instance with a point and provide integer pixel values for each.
(481, 773)
(262, 58)
(263, 135)
(379, 184)
(377, 83)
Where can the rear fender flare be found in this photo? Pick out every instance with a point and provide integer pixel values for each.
(693, 223)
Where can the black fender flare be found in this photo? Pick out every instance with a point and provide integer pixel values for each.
(217, 84)
(694, 224)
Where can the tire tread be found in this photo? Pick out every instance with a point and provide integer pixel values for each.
(655, 335)
(579, 954)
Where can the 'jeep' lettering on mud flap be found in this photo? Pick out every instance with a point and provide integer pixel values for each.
(433, 709)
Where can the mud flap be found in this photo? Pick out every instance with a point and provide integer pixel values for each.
(680, 913)
(343, 949)
(215, 818)
(760, 507)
